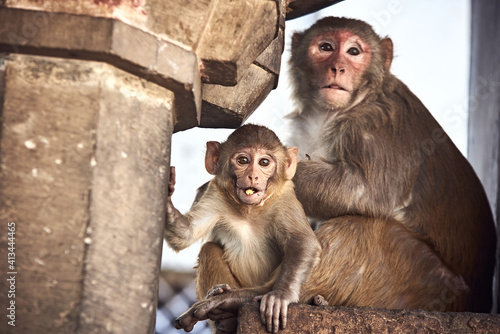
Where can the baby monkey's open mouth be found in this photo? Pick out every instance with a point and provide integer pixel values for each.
(250, 191)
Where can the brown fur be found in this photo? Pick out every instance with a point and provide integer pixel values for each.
(265, 249)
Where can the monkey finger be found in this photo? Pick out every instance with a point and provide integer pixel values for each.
(185, 322)
(276, 309)
(171, 182)
(283, 313)
(257, 298)
(216, 312)
(172, 174)
(205, 307)
(214, 291)
(190, 327)
(263, 308)
(218, 290)
(319, 301)
(271, 313)
(202, 313)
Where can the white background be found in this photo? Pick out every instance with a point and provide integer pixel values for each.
(431, 55)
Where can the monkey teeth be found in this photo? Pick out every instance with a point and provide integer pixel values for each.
(249, 191)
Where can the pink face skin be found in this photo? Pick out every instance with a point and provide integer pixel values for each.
(253, 168)
(339, 60)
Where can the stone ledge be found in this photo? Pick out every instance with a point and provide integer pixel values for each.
(162, 60)
(114, 42)
(328, 319)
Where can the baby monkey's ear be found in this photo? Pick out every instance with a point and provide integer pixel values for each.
(212, 157)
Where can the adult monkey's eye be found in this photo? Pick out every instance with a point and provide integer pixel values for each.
(264, 162)
(353, 51)
(242, 160)
(326, 47)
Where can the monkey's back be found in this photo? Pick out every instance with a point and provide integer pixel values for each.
(449, 205)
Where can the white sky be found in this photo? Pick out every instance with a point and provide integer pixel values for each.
(431, 56)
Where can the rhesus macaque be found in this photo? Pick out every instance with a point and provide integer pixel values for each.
(405, 220)
(250, 212)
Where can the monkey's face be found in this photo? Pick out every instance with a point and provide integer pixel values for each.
(253, 169)
(338, 60)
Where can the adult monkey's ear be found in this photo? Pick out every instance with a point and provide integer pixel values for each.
(291, 162)
(296, 39)
(387, 52)
(212, 157)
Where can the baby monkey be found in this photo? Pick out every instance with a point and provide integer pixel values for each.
(254, 226)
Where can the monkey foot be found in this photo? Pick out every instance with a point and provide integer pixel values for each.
(223, 304)
(197, 312)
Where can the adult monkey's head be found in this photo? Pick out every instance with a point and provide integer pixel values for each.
(338, 62)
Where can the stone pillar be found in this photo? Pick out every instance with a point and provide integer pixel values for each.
(88, 103)
(84, 157)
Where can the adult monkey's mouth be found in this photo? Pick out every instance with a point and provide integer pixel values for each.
(333, 86)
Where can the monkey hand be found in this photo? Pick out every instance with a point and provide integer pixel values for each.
(171, 182)
(171, 187)
(273, 310)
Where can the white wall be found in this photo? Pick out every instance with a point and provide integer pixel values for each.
(432, 53)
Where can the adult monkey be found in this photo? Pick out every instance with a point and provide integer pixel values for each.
(406, 222)
(402, 206)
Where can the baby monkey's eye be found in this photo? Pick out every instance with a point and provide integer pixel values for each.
(242, 160)
(264, 162)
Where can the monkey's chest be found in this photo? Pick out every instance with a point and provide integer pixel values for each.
(249, 251)
(306, 130)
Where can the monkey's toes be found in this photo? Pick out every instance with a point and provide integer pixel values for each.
(319, 301)
(185, 322)
(218, 290)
